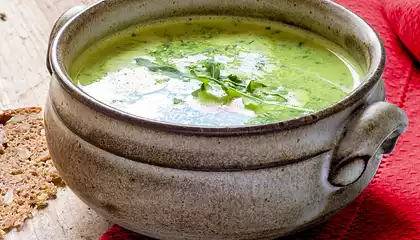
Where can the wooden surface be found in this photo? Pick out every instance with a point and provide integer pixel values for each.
(24, 82)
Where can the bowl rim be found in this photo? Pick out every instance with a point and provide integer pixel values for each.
(372, 76)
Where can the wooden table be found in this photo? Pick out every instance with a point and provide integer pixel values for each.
(24, 82)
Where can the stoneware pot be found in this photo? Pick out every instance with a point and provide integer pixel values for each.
(171, 181)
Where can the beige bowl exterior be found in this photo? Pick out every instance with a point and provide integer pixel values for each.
(184, 182)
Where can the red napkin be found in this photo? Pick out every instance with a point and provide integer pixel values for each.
(404, 18)
(389, 208)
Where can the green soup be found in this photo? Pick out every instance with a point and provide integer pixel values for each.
(216, 71)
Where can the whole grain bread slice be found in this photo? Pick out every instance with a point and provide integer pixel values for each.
(28, 177)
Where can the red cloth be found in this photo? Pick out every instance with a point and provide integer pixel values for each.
(404, 18)
(389, 208)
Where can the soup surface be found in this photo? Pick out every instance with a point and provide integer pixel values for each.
(216, 71)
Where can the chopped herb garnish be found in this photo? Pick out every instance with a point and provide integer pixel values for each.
(163, 69)
(256, 96)
(213, 69)
(252, 85)
(260, 65)
(160, 81)
(178, 101)
(234, 78)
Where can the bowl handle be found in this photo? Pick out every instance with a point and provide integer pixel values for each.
(373, 130)
(64, 18)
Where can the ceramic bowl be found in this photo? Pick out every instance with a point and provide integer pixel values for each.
(171, 181)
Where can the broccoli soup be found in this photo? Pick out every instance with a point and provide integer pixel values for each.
(216, 71)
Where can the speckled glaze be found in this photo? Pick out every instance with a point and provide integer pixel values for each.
(172, 181)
